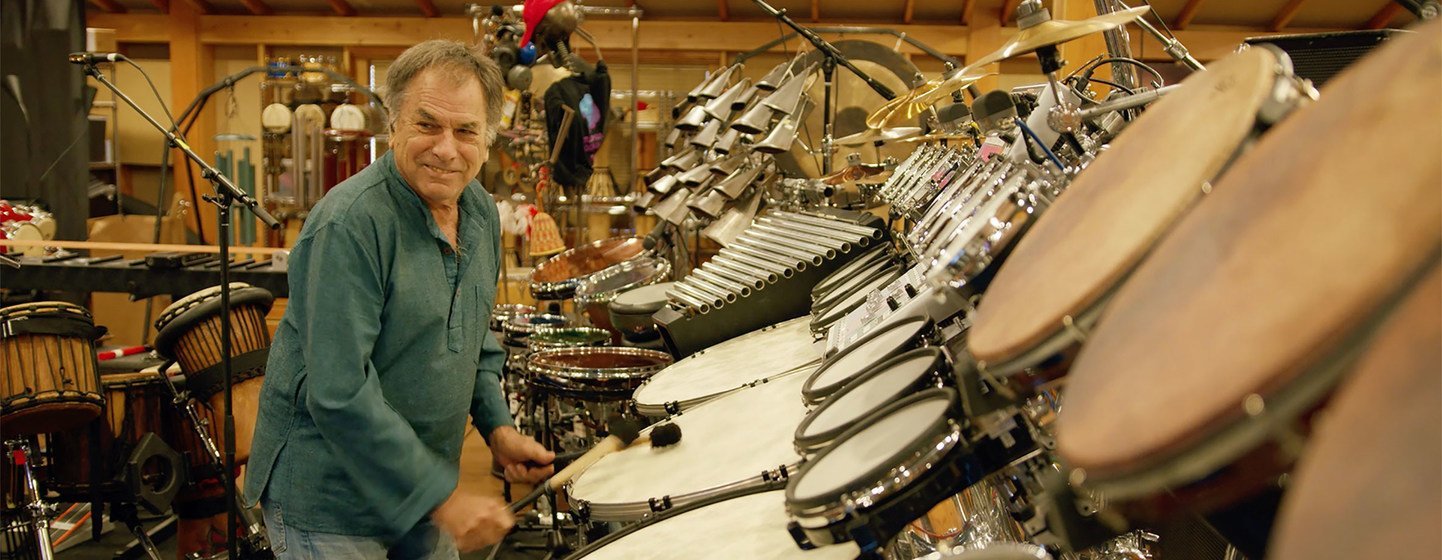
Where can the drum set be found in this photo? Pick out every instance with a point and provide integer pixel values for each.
(1158, 331)
(147, 439)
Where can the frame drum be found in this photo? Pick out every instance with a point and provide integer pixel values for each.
(559, 276)
(1059, 277)
(49, 381)
(729, 366)
(1242, 321)
(740, 440)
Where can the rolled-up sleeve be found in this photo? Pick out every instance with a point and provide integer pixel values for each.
(342, 294)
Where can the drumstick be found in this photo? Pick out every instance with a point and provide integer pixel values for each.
(624, 433)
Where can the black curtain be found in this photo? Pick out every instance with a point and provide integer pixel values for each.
(44, 103)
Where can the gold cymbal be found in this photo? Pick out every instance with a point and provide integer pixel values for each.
(939, 136)
(907, 107)
(878, 135)
(1058, 31)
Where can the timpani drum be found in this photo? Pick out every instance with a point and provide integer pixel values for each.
(189, 333)
(559, 276)
(1367, 485)
(50, 381)
(740, 440)
(750, 526)
(869, 391)
(1061, 275)
(729, 366)
(594, 293)
(595, 374)
(1199, 380)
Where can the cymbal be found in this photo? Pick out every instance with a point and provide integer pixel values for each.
(939, 136)
(878, 135)
(856, 173)
(907, 107)
(1057, 31)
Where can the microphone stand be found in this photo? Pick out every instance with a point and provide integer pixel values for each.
(225, 198)
(833, 57)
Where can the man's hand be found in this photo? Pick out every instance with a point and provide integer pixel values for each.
(522, 459)
(474, 521)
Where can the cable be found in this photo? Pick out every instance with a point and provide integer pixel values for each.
(1093, 65)
(1027, 130)
(163, 106)
(1160, 19)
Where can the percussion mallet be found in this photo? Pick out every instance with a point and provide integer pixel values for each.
(623, 432)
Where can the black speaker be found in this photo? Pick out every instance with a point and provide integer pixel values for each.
(1319, 56)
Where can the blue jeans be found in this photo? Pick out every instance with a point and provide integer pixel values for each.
(424, 542)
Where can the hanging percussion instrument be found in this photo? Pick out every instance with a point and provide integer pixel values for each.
(598, 374)
(595, 292)
(632, 309)
(891, 468)
(1117, 210)
(49, 381)
(559, 276)
(189, 333)
(1367, 484)
(751, 525)
(740, 440)
(840, 369)
(727, 367)
(1195, 385)
(867, 392)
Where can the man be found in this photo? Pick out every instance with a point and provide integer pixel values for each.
(383, 351)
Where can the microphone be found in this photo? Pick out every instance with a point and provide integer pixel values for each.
(95, 58)
(656, 237)
(623, 430)
(994, 110)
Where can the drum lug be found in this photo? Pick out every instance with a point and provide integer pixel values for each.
(672, 408)
(799, 536)
(659, 505)
(777, 474)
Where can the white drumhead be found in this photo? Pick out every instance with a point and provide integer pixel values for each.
(871, 395)
(645, 294)
(752, 527)
(868, 449)
(730, 439)
(864, 355)
(731, 364)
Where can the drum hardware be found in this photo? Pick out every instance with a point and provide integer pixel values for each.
(840, 369)
(885, 381)
(868, 259)
(18, 451)
(595, 292)
(851, 287)
(830, 315)
(558, 277)
(502, 312)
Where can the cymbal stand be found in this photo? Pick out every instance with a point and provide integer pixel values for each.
(1170, 45)
(18, 452)
(256, 544)
(833, 58)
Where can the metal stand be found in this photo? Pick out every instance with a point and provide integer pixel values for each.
(227, 194)
(18, 451)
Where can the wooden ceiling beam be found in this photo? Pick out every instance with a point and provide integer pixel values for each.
(1383, 16)
(723, 11)
(428, 8)
(1189, 11)
(342, 8)
(162, 5)
(966, 7)
(908, 11)
(1008, 11)
(815, 11)
(110, 6)
(1284, 16)
(201, 6)
(257, 7)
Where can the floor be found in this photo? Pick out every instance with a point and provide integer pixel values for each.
(475, 476)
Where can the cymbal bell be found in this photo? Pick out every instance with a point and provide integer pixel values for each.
(878, 135)
(1053, 32)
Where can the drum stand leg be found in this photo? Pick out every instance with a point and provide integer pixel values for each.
(127, 514)
(37, 509)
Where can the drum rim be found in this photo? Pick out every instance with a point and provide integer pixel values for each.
(852, 283)
(513, 328)
(64, 307)
(169, 332)
(929, 226)
(598, 337)
(666, 514)
(661, 271)
(812, 443)
(869, 489)
(651, 307)
(813, 394)
(662, 360)
(838, 311)
(991, 244)
(1018, 183)
(661, 407)
(874, 253)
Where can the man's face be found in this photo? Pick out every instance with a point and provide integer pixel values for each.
(440, 135)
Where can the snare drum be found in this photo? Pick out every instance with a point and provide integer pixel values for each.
(632, 309)
(1198, 382)
(559, 276)
(595, 292)
(518, 328)
(189, 333)
(869, 391)
(740, 440)
(892, 467)
(1117, 209)
(886, 342)
(49, 381)
(751, 526)
(763, 354)
(596, 374)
